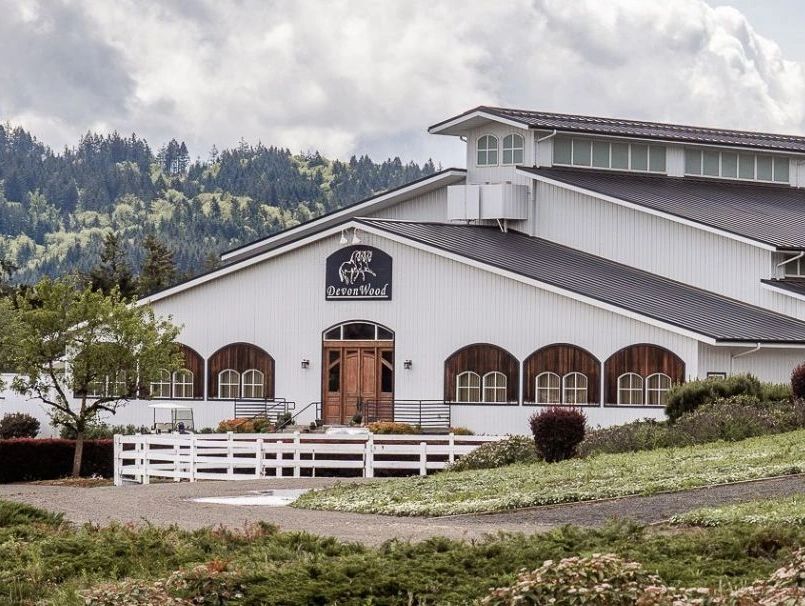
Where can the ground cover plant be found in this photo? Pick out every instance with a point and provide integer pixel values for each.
(784, 510)
(596, 477)
(513, 449)
(45, 561)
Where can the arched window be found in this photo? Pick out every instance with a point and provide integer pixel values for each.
(229, 384)
(358, 331)
(468, 387)
(96, 388)
(574, 388)
(513, 149)
(630, 389)
(487, 150)
(495, 386)
(548, 388)
(240, 358)
(183, 383)
(117, 385)
(161, 388)
(657, 386)
(253, 381)
(643, 360)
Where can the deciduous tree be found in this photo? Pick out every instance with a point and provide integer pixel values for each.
(82, 352)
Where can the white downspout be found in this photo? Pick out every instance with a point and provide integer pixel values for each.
(536, 145)
(742, 354)
(787, 261)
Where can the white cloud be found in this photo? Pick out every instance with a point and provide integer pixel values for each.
(354, 77)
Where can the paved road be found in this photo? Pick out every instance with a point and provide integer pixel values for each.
(172, 504)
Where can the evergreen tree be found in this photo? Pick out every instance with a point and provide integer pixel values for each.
(113, 269)
(159, 269)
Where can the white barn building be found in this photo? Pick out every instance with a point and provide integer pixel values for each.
(576, 260)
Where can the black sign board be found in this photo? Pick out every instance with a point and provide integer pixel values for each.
(358, 273)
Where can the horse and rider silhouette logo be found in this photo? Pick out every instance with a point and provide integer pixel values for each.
(359, 272)
(356, 268)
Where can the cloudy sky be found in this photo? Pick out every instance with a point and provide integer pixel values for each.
(369, 76)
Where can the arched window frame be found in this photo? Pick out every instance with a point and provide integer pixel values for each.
(183, 383)
(468, 386)
(487, 150)
(161, 388)
(513, 149)
(229, 384)
(117, 385)
(551, 393)
(656, 395)
(253, 381)
(97, 388)
(575, 388)
(635, 386)
(495, 384)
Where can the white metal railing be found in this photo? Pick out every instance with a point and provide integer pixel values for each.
(230, 456)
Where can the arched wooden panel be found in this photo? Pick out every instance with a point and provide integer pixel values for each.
(241, 357)
(482, 358)
(195, 364)
(643, 359)
(562, 358)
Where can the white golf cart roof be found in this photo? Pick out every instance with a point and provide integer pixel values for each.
(169, 406)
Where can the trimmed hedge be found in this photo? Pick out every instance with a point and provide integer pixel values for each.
(29, 459)
(687, 397)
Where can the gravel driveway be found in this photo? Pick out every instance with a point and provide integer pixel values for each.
(171, 503)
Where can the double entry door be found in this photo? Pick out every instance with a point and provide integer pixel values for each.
(357, 373)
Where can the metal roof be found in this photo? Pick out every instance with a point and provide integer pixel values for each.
(792, 285)
(769, 214)
(636, 128)
(699, 311)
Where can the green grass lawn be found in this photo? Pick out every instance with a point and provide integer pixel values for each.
(597, 477)
(786, 510)
(44, 561)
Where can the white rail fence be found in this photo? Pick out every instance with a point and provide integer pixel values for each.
(140, 458)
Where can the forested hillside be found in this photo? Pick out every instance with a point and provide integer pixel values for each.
(57, 208)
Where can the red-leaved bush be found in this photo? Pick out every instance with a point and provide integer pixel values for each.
(558, 431)
(27, 459)
(798, 381)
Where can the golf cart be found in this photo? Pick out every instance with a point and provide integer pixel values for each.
(181, 418)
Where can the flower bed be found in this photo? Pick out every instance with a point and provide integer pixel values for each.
(603, 476)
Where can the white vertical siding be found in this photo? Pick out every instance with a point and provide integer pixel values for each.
(658, 245)
(438, 306)
(500, 173)
(772, 364)
(427, 207)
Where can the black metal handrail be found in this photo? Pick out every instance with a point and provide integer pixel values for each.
(292, 420)
(427, 414)
(270, 408)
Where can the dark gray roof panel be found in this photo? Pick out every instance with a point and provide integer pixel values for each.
(646, 130)
(794, 285)
(648, 295)
(771, 214)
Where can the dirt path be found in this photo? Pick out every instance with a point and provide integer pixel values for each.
(171, 504)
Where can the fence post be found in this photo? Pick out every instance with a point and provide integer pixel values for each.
(258, 459)
(138, 461)
(193, 452)
(297, 472)
(146, 448)
(278, 470)
(451, 456)
(369, 457)
(230, 456)
(118, 448)
(176, 466)
(423, 458)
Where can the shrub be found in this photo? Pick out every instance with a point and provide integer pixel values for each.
(687, 397)
(18, 425)
(798, 381)
(730, 419)
(388, 427)
(27, 459)
(255, 425)
(102, 431)
(461, 431)
(557, 432)
(775, 392)
(514, 449)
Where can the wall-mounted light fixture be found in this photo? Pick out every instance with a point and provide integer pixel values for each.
(343, 239)
(305, 363)
(408, 364)
(355, 238)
